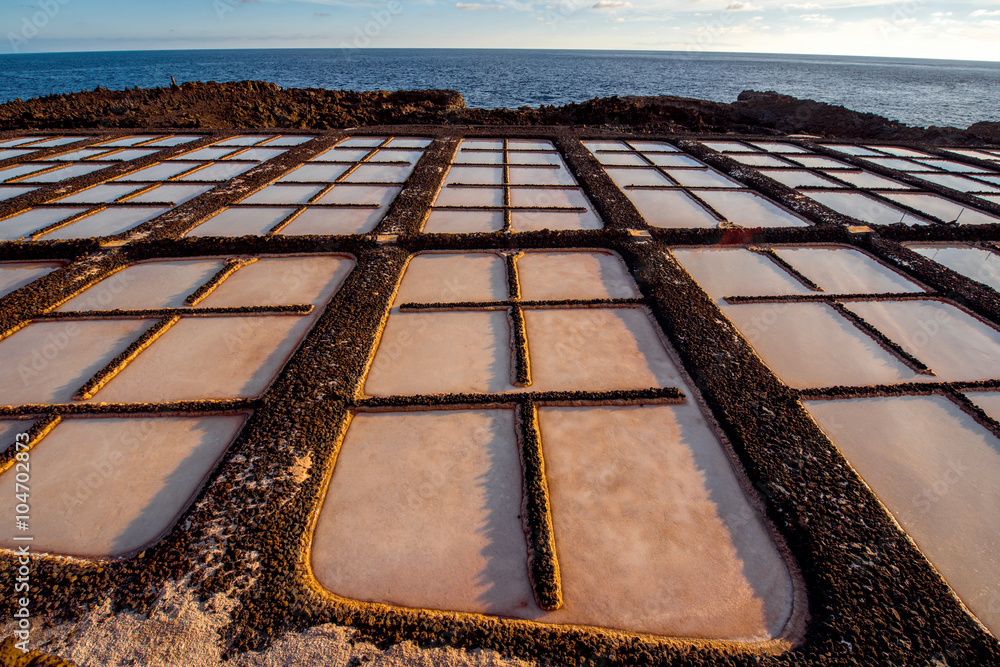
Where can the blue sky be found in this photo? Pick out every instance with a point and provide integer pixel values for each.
(909, 28)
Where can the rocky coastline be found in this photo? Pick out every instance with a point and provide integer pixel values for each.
(261, 105)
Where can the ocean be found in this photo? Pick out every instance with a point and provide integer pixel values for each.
(916, 92)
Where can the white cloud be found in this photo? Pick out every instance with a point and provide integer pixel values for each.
(741, 7)
(610, 4)
(475, 6)
(816, 18)
(986, 12)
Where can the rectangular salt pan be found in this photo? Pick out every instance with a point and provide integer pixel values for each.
(749, 209)
(108, 222)
(453, 277)
(160, 172)
(8, 143)
(954, 344)
(532, 157)
(723, 272)
(819, 161)
(728, 147)
(256, 154)
(64, 173)
(478, 157)
(935, 470)
(220, 171)
(374, 173)
(342, 155)
(100, 194)
(868, 180)
(445, 352)
(594, 146)
(453, 196)
(245, 140)
(899, 164)
(241, 221)
(12, 152)
(810, 345)
(801, 179)
(318, 172)
(621, 159)
(330, 221)
(115, 485)
(474, 176)
(548, 198)
(852, 150)
(360, 194)
(624, 178)
(674, 160)
(389, 155)
(574, 275)
(24, 224)
(960, 183)
(652, 146)
(203, 358)
(532, 176)
(81, 154)
(703, 178)
(172, 141)
(205, 154)
(528, 221)
(865, 208)
(949, 165)
(11, 191)
(455, 541)
(761, 160)
(47, 362)
(980, 265)
(20, 170)
(699, 562)
(900, 151)
(284, 194)
(288, 141)
(453, 474)
(774, 147)
(274, 281)
(367, 142)
(158, 284)
(463, 222)
(410, 142)
(671, 209)
(170, 193)
(842, 270)
(944, 209)
(61, 141)
(15, 275)
(529, 145)
(132, 154)
(597, 349)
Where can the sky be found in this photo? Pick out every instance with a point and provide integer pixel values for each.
(910, 28)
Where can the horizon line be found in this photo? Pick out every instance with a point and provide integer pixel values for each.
(689, 53)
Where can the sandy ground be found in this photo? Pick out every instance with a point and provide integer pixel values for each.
(183, 631)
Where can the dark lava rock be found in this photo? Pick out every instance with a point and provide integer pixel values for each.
(257, 104)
